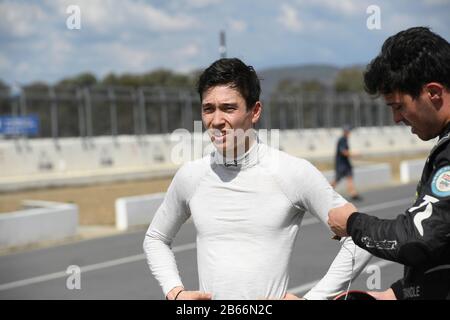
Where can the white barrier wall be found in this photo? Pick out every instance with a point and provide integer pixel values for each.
(46, 162)
(43, 220)
(75, 155)
(320, 144)
(411, 170)
(140, 210)
(40, 163)
(373, 175)
(367, 176)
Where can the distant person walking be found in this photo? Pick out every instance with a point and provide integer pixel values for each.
(343, 165)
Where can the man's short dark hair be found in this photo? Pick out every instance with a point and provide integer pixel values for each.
(234, 73)
(407, 61)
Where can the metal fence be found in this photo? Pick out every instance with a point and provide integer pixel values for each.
(98, 111)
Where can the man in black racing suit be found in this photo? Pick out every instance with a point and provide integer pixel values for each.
(412, 72)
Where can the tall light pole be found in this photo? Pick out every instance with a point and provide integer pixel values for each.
(223, 46)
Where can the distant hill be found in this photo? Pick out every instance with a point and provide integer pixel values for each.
(269, 78)
(325, 74)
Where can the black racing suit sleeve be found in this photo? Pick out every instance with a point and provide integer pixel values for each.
(397, 287)
(399, 239)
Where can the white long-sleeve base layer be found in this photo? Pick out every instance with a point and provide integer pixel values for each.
(247, 217)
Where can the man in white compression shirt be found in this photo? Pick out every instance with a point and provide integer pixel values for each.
(247, 201)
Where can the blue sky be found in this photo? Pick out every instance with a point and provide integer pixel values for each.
(138, 36)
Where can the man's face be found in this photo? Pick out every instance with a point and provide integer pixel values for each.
(419, 114)
(225, 115)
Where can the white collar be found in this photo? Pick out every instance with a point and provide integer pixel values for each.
(242, 161)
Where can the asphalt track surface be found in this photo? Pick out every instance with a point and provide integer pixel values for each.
(115, 268)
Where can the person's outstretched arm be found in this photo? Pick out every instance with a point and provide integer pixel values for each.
(347, 265)
(318, 198)
(168, 219)
(417, 237)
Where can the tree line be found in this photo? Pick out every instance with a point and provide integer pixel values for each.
(347, 80)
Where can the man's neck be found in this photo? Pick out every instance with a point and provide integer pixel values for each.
(445, 130)
(240, 150)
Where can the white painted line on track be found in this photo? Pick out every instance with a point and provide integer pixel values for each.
(92, 267)
(181, 248)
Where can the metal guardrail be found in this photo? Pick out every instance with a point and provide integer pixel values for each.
(94, 111)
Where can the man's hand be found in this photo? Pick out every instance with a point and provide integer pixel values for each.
(187, 295)
(290, 296)
(337, 218)
(287, 296)
(383, 295)
(194, 295)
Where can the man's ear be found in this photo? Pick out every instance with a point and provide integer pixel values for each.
(434, 91)
(256, 112)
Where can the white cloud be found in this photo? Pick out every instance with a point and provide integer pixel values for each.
(23, 67)
(30, 71)
(109, 15)
(324, 53)
(124, 57)
(4, 62)
(20, 20)
(237, 25)
(289, 18)
(396, 22)
(60, 49)
(140, 35)
(201, 3)
(347, 7)
(185, 68)
(433, 3)
(189, 50)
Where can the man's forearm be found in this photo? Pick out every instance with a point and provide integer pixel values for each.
(393, 240)
(161, 261)
(347, 265)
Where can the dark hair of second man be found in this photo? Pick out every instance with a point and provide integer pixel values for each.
(407, 61)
